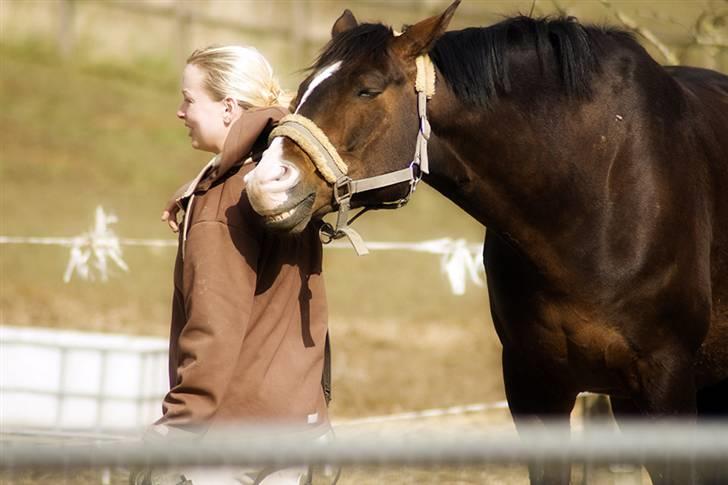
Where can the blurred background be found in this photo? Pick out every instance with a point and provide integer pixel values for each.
(88, 94)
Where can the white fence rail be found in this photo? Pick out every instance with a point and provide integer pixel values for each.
(93, 252)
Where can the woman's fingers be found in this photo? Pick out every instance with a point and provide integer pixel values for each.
(170, 217)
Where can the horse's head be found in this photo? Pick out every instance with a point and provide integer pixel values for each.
(356, 117)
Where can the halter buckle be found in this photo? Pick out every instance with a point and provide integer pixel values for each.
(345, 184)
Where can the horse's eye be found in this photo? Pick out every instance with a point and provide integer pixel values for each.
(369, 93)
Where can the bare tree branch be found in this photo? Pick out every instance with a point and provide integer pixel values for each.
(710, 29)
(560, 9)
(629, 23)
(664, 18)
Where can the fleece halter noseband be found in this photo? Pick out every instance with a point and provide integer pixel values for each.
(314, 142)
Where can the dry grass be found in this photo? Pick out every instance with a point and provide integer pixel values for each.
(72, 137)
(391, 366)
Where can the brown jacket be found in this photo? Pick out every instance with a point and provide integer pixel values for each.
(249, 316)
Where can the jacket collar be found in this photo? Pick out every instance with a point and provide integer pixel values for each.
(247, 136)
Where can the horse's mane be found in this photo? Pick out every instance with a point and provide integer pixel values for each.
(474, 60)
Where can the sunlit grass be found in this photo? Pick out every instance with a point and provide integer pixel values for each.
(75, 136)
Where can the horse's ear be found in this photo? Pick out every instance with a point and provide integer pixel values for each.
(345, 22)
(419, 38)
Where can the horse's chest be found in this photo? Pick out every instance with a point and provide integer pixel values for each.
(587, 349)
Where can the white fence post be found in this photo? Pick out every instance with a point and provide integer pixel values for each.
(66, 25)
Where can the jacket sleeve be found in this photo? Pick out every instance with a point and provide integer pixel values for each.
(218, 286)
(248, 131)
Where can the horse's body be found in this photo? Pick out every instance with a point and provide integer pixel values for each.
(602, 178)
(592, 240)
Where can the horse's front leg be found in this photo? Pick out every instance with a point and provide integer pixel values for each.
(666, 389)
(534, 399)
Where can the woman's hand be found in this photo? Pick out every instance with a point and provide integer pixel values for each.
(169, 215)
(172, 208)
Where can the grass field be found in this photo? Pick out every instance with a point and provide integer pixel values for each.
(84, 133)
(75, 136)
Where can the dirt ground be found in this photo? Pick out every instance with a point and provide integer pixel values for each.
(379, 369)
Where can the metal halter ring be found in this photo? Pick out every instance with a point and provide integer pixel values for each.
(327, 233)
(416, 173)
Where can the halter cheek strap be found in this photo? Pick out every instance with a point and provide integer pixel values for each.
(314, 142)
(425, 87)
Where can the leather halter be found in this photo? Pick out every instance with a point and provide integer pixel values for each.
(314, 142)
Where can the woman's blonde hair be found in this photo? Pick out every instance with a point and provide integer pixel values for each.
(241, 73)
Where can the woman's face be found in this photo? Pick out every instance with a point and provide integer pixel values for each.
(206, 119)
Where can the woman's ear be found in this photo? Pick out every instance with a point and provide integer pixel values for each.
(231, 110)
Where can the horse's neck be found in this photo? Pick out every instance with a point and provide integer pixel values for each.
(507, 171)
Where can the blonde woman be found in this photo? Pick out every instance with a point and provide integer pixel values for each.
(249, 318)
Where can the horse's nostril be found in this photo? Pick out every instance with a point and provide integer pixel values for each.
(283, 171)
(278, 177)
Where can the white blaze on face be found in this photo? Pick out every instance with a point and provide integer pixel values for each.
(268, 184)
(318, 79)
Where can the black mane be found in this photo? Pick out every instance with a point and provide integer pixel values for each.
(474, 60)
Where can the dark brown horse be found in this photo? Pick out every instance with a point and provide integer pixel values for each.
(602, 178)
